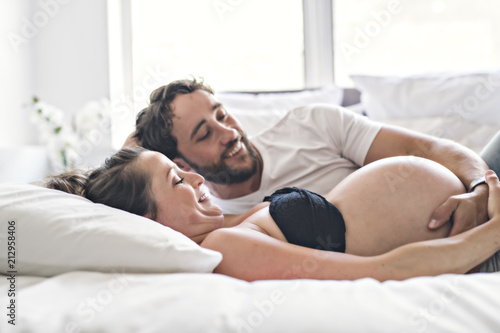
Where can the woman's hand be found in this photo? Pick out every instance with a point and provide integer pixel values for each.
(494, 197)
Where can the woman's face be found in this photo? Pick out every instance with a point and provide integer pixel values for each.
(182, 203)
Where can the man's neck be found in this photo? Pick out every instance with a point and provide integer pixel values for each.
(233, 191)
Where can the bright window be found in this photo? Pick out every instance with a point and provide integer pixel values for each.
(391, 37)
(234, 45)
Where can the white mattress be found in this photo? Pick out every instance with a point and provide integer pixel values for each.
(98, 302)
(193, 302)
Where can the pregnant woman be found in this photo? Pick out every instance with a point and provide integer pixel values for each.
(373, 224)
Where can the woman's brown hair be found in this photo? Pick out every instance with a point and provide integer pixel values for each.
(118, 183)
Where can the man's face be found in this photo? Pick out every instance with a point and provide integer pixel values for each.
(211, 141)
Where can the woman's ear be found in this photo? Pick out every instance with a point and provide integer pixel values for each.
(182, 164)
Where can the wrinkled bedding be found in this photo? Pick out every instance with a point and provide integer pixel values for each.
(191, 302)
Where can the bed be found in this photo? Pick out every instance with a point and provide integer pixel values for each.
(76, 266)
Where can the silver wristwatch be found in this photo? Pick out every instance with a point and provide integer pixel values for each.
(476, 182)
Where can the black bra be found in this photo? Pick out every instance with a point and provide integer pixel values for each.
(307, 219)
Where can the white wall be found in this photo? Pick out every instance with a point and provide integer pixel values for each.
(56, 50)
(16, 81)
(62, 58)
(71, 55)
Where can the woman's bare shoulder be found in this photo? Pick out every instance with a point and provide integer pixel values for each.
(231, 220)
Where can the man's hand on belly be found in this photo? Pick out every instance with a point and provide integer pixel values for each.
(466, 210)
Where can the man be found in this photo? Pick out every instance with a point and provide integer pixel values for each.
(313, 147)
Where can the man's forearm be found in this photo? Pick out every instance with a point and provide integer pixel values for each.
(463, 162)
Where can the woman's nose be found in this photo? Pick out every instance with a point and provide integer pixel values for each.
(196, 179)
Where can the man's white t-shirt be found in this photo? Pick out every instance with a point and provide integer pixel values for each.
(312, 147)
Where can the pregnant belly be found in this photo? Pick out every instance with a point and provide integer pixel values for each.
(388, 203)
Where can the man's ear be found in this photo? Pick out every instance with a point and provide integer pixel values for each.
(182, 164)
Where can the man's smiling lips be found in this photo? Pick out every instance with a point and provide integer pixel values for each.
(236, 149)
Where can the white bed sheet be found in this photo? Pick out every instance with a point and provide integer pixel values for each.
(194, 302)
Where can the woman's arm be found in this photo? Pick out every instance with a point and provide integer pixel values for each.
(252, 255)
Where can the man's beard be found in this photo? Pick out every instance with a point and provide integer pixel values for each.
(220, 173)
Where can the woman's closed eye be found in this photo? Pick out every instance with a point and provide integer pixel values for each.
(180, 181)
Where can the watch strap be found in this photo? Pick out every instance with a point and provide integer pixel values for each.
(476, 182)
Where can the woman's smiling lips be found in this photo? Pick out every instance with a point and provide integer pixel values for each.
(203, 197)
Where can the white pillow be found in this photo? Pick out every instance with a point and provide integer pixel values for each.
(57, 232)
(469, 96)
(469, 134)
(257, 112)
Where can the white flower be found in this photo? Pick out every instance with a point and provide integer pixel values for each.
(92, 116)
(61, 149)
(62, 140)
(51, 113)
